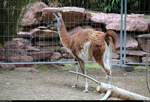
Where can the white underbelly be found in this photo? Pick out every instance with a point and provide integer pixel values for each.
(85, 53)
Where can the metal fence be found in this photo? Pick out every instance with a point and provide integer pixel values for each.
(43, 49)
(142, 37)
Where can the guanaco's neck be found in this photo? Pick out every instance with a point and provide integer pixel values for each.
(63, 34)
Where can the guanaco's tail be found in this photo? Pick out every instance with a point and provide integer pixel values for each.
(110, 46)
(110, 38)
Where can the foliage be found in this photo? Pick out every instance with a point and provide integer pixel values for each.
(98, 5)
(10, 11)
(134, 6)
(92, 66)
(87, 66)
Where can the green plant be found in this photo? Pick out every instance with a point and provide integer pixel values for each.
(92, 66)
(87, 66)
(10, 12)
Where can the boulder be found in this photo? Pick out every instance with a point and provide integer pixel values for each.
(16, 43)
(17, 46)
(67, 56)
(135, 22)
(2, 54)
(38, 33)
(31, 48)
(138, 53)
(42, 27)
(146, 60)
(23, 34)
(31, 14)
(15, 56)
(2, 58)
(55, 56)
(144, 42)
(50, 48)
(14, 47)
(41, 55)
(46, 43)
(131, 42)
(71, 15)
(63, 50)
(20, 58)
(131, 59)
(7, 66)
(14, 52)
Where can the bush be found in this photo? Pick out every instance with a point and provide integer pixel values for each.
(10, 11)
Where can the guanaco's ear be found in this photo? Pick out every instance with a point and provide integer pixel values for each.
(55, 15)
(59, 14)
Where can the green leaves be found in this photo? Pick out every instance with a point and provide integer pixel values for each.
(10, 11)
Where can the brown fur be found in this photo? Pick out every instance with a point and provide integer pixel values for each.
(111, 37)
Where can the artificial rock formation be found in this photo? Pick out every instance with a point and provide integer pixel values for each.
(37, 37)
(30, 14)
(134, 22)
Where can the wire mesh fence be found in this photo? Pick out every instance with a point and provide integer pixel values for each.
(138, 37)
(28, 32)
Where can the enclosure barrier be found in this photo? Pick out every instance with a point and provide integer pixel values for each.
(37, 48)
(32, 23)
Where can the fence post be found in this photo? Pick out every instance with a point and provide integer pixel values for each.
(125, 32)
(121, 33)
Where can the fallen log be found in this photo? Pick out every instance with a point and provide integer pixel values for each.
(120, 93)
(115, 91)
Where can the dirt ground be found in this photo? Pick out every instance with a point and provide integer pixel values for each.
(54, 83)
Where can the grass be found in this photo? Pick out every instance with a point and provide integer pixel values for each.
(87, 66)
(142, 68)
(146, 16)
(92, 66)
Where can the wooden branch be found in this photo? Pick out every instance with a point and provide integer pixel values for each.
(107, 95)
(97, 82)
(120, 93)
(115, 91)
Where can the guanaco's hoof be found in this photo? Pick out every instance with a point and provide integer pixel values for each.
(85, 91)
(74, 86)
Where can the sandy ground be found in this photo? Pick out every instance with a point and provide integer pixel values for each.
(54, 83)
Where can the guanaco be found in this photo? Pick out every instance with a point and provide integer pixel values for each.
(88, 44)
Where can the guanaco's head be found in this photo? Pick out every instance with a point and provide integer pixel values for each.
(58, 18)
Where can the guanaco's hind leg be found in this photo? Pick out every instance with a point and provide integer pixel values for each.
(108, 73)
(82, 66)
(77, 75)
